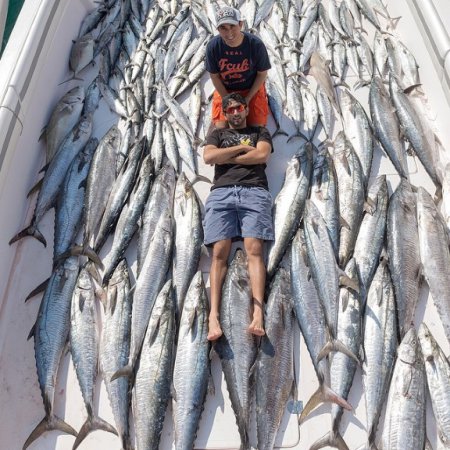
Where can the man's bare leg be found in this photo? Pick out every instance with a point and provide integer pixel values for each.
(219, 266)
(257, 273)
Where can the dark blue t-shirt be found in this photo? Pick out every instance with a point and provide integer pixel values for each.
(237, 65)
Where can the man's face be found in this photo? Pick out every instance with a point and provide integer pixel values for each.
(236, 114)
(230, 33)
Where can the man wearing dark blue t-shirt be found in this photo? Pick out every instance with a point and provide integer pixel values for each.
(237, 62)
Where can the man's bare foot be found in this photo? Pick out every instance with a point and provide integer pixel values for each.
(256, 328)
(214, 330)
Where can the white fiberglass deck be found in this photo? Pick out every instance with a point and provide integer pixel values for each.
(23, 266)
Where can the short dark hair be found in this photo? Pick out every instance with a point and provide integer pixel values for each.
(233, 96)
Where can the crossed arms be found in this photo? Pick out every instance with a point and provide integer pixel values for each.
(238, 154)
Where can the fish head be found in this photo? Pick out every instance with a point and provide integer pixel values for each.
(428, 344)
(408, 351)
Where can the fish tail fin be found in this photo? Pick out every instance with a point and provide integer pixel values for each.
(35, 188)
(336, 345)
(322, 395)
(278, 132)
(38, 289)
(31, 230)
(78, 250)
(330, 440)
(70, 79)
(125, 371)
(48, 423)
(92, 423)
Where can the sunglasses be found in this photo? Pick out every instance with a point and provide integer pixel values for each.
(235, 109)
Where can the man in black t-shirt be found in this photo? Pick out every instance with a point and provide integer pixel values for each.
(239, 205)
(237, 62)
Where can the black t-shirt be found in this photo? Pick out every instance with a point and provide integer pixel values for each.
(237, 65)
(239, 174)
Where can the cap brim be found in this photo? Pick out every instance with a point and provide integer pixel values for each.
(227, 22)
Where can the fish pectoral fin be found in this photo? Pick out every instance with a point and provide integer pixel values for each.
(344, 223)
(370, 206)
(345, 280)
(35, 188)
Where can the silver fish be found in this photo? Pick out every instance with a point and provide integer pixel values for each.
(192, 357)
(358, 130)
(84, 349)
(411, 125)
(159, 200)
(127, 224)
(351, 195)
(404, 423)
(289, 204)
(275, 360)
(63, 118)
(188, 238)
(54, 176)
(324, 194)
(237, 347)
(70, 201)
(311, 319)
(435, 255)
(380, 345)
(403, 251)
(342, 367)
(151, 392)
(438, 379)
(115, 348)
(51, 332)
(386, 126)
(370, 240)
(148, 285)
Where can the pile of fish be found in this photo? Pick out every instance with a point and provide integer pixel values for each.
(347, 261)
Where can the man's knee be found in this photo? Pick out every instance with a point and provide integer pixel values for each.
(254, 247)
(221, 250)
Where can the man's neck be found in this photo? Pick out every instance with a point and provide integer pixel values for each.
(239, 127)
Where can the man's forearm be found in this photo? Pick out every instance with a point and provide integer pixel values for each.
(259, 80)
(252, 157)
(218, 85)
(223, 155)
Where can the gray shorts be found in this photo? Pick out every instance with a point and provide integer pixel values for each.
(238, 211)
